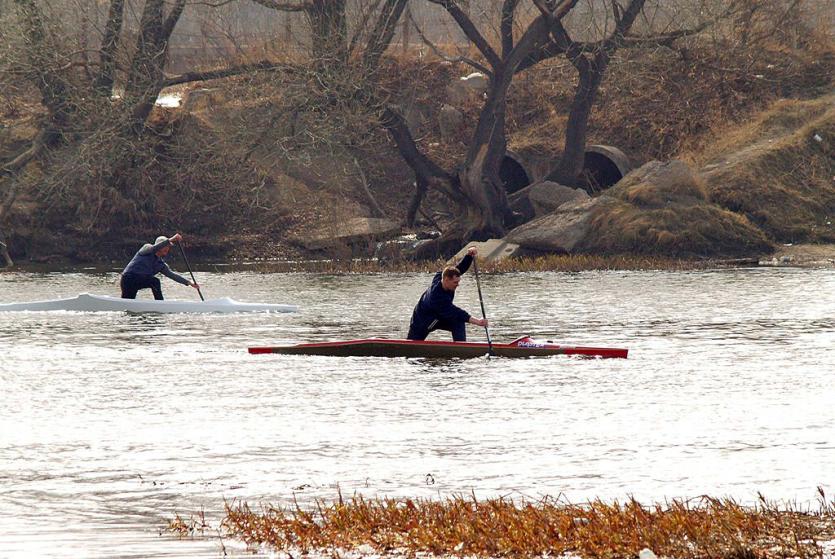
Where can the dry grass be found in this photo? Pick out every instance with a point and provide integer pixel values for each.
(658, 105)
(665, 210)
(684, 230)
(781, 173)
(701, 528)
(199, 175)
(546, 263)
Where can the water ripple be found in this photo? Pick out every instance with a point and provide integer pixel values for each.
(113, 422)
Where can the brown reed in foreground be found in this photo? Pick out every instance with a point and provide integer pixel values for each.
(702, 528)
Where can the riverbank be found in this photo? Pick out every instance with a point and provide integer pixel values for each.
(802, 255)
(550, 263)
(754, 173)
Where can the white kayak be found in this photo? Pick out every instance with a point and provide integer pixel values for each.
(103, 303)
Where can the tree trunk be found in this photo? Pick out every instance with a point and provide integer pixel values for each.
(591, 73)
(54, 89)
(479, 175)
(145, 80)
(109, 45)
(145, 68)
(329, 32)
(421, 187)
(9, 173)
(4, 251)
(7, 202)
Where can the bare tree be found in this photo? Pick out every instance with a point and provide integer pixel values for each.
(99, 95)
(474, 185)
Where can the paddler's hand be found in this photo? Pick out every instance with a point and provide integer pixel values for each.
(479, 321)
(194, 285)
(472, 251)
(176, 238)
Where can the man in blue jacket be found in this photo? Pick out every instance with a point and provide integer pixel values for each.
(435, 311)
(141, 271)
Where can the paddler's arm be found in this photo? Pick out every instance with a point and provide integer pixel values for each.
(451, 313)
(168, 272)
(149, 248)
(464, 264)
(478, 321)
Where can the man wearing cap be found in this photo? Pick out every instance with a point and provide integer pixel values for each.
(435, 311)
(141, 271)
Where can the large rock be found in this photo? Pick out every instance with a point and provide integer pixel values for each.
(547, 196)
(352, 231)
(658, 184)
(201, 99)
(561, 231)
(490, 250)
(542, 198)
(450, 121)
(663, 209)
(467, 87)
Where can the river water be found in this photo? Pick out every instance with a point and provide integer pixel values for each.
(112, 423)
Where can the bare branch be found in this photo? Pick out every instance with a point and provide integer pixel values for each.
(18, 163)
(285, 6)
(617, 10)
(422, 165)
(188, 77)
(555, 13)
(172, 19)
(454, 59)
(383, 31)
(109, 45)
(470, 30)
(624, 23)
(543, 8)
(665, 39)
(506, 27)
(376, 210)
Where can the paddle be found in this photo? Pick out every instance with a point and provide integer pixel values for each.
(183, 252)
(483, 312)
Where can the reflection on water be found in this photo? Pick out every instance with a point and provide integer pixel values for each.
(113, 422)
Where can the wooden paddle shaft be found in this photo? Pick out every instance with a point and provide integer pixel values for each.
(481, 301)
(183, 252)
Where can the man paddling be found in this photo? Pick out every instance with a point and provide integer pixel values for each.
(435, 311)
(141, 271)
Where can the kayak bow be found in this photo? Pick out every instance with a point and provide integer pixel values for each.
(381, 347)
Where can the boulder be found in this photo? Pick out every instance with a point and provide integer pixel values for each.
(657, 184)
(414, 118)
(467, 87)
(542, 198)
(200, 99)
(662, 208)
(15, 139)
(560, 231)
(490, 250)
(450, 121)
(547, 196)
(349, 232)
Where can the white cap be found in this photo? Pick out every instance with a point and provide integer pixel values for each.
(160, 239)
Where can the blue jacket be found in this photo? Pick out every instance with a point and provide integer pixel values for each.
(436, 303)
(146, 263)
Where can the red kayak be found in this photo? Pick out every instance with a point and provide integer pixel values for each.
(380, 347)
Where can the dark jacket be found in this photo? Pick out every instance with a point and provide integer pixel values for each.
(147, 263)
(436, 305)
